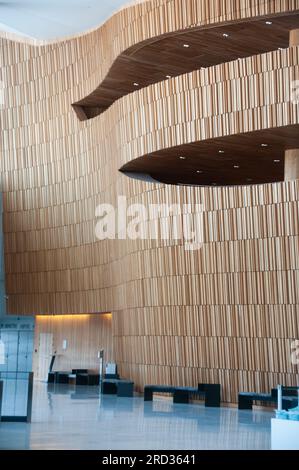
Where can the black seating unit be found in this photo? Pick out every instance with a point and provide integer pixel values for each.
(51, 377)
(93, 379)
(210, 392)
(82, 379)
(289, 398)
(80, 376)
(62, 377)
(58, 377)
(87, 379)
(121, 388)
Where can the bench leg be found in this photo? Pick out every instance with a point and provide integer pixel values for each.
(148, 395)
(51, 378)
(109, 389)
(180, 396)
(244, 403)
(125, 390)
(286, 405)
(212, 394)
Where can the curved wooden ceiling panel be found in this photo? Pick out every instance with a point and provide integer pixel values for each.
(173, 54)
(228, 125)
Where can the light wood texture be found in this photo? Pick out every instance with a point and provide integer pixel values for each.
(294, 37)
(227, 313)
(291, 171)
(85, 336)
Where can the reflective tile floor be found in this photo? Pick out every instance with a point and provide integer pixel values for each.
(66, 417)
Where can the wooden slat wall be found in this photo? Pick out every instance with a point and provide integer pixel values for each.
(227, 312)
(85, 335)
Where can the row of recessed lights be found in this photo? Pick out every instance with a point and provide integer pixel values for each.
(181, 157)
(223, 151)
(235, 166)
(225, 35)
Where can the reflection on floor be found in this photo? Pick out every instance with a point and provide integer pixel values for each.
(77, 418)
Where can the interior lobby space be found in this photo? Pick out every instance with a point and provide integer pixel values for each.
(69, 418)
(149, 226)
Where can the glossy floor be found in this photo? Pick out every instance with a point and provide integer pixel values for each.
(69, 418)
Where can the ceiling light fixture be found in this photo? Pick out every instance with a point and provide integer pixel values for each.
(168, 76)
(199, 171)
(264, 145)
(221, 151)
(269, 23)
(236, 166)
(186, 45)
(182, 158)
(225, 35)
(276, 161)
(136, 84)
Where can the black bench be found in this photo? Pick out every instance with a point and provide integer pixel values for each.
(210, 392)
(289, 400)
(51, 377)
(121, 388)
(58, 377)
(62, 377)
(87, 379)
(79, 376)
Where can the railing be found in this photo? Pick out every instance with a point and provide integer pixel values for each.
(16, 399)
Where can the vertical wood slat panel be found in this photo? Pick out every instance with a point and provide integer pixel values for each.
(227, 313)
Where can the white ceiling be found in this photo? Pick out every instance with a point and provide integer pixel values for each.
(52, 19)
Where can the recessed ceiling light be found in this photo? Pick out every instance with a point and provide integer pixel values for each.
(236, 166)
(182, 158)
(225, 35)
(221, 151)
(168, 76)
(269, 22)
(199, 171)
(264, 145)
(276, 161)
(136, 84)
(186, 45)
